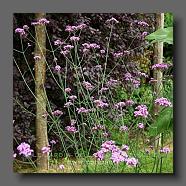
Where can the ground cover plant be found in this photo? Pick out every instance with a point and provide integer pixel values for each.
(92, 93)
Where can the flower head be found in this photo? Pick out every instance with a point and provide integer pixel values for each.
(163, 102)
(20, 31)
(123, 128)
(68, 90)
(57, 113)
(71, 129)
(61, 167)
(165, 150)
(45, 150)
(132, 162)
(53, 142)
(140, 125)
(57, 68)
(24, 149)
(74, 38)
(160, 66)
(141, 111)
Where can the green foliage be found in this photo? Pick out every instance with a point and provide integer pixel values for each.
(163, 123)
(168, 20)
(162, 35)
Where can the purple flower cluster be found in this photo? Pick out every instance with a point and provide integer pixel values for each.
(62, 167)
(87, 85)
(68, 47)
(165, 150)
(75, 28)
(100, 104)
(129, 77)
(98, 127)
(20, 31)
(129, 102)
(73, 97)
(57, 69)
(74, 38)
(132, 162)
(91, 45)
(83, 110)
(143, 23)
(163, 102)
(140, 125)
(46, 150)
(119, 105)
(57, 113)
(68, 90)
(118, 54)
(42, 21)
(141, 111)
(144, 34)
(24, 149)
(160, 66)
(123, 128)
(53, 142)
(121, 54)
(117, 155)
(103, 89)
(58, 42)
(68, 104)
(71, 128)
(112, 83)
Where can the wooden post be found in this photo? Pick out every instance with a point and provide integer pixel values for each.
(158, 59)
(40, 74)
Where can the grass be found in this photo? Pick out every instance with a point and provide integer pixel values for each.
(90, 165)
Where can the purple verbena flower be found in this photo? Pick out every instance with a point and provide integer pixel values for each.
(163, 102)
(165, 150)
(82, 110)
(57, 113)
(73, 97)
(24, 149)
(68, 104)
(71, 129)
(123, 128)
(141, 111)
(119, 105)
(140, 125)
(58, 42)
(43, 21)
(53, 142)
(68, 47)
(160, 66)
(143, 23)
(99, 155)
(100, 104)
(68, 90)
(74, 38)
(25, 27)
(87, 85)
(57, 68)
(61, 167)
(45, 150)
(132, 162)
(129, 103)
